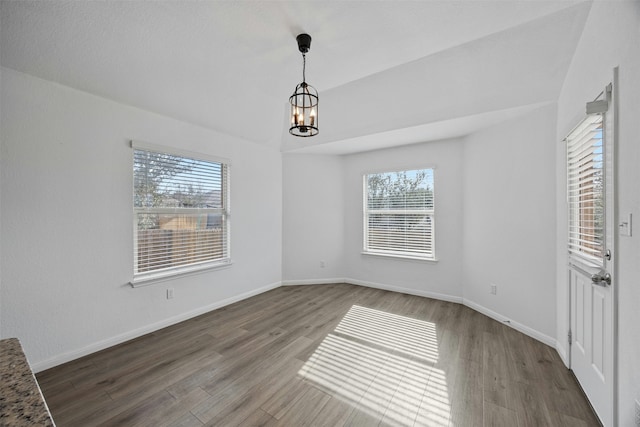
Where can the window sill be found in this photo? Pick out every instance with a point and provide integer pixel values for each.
(401, 257)
(146, 279)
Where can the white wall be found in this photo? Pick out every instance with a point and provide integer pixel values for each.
(494, 190)
(313, 218)
(442, 278)
(611, 38)
(509, 221)
(66, 206)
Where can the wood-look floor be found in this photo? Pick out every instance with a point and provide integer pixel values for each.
(325, 355)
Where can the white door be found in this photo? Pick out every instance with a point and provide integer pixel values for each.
(591, 253)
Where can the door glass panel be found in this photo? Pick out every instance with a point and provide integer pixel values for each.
(586, 191)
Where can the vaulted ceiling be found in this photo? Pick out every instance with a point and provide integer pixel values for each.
(388, 72)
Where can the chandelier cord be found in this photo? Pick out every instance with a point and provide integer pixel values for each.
(304, 66)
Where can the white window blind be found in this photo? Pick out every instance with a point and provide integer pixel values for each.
(399, 214)
(181, 213)
(585, 181)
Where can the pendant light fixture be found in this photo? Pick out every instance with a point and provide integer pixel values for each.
(304, 101)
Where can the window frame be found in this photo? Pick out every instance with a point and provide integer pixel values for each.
(399, 255)
(159, 275)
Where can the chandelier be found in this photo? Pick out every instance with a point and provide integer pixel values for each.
(304, 101)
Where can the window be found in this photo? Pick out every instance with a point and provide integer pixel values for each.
(585, 181)
(181, 212)
(399, 215)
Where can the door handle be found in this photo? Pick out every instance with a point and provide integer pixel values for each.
(601, 279)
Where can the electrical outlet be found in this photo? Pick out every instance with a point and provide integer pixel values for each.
(494, 289)
(323, 264)
(637, 406)
(169, 293)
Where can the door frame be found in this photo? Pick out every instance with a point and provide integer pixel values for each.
(611, 238)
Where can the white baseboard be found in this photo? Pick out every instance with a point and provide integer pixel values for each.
(546, 339)
(118, 339)
(444, 297)
(314, 281)
(434, 295)
(101, 345)
(562, 352)
(419, 293)
(474, 306)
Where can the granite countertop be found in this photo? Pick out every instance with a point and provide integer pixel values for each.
(21, 402)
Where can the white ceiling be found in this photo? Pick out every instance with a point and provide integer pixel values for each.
(388, 72)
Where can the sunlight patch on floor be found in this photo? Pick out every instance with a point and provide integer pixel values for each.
(383, 364)
(413, 337)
